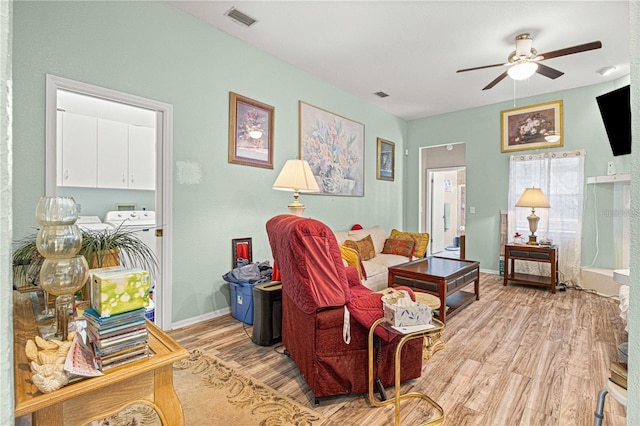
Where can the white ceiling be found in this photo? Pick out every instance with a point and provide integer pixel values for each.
(412, 49)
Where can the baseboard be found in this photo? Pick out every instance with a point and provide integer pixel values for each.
(599, 280)
(200, 318)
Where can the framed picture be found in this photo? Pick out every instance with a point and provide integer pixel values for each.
(334, 148)
(532, 127)
(386, 160)
(250, 132)
(240, 249)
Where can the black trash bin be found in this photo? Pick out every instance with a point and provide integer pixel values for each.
(267, 313)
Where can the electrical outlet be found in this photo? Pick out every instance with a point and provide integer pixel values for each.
(611, 168)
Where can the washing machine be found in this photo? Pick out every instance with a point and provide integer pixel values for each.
(92, 223)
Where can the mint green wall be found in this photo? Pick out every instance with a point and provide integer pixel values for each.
(488, 169)
(153, 50)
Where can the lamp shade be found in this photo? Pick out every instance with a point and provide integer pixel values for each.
(533, 198)
(296, 176)
(522, 71)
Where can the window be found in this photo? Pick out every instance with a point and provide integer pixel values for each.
(560, 175)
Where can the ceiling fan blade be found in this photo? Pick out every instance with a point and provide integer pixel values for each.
(482, 67)
(548, 71)
(496, 81)
(571, 50)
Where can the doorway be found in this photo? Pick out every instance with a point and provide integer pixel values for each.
(443, 197)
(161, 194)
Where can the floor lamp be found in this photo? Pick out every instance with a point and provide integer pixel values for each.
(533, 198)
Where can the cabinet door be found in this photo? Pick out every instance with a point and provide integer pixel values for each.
(142, 158)
(112, 154)
(79, 150)
(59, 123)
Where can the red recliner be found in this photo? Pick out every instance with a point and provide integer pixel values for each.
(316, 288)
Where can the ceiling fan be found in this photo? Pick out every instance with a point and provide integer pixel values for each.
(525, 60)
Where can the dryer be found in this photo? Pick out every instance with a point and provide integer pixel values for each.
(92, 223)
(141, 222)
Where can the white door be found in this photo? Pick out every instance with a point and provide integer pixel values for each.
(437, 212)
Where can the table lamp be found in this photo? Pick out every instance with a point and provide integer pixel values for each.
(296, 176)
(533, 198)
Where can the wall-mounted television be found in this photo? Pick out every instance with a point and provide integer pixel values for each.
(615, 109)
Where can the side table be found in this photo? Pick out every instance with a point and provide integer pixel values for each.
(384, 322)
(532, 253)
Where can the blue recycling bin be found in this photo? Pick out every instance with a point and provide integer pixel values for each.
(242, 302)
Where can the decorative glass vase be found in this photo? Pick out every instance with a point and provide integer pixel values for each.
(59, 240)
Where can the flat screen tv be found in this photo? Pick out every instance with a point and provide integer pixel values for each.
(615, 109)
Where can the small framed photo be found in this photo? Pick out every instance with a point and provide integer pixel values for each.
(532, 127)
(250, 132)
(241, 249)
(386, 160)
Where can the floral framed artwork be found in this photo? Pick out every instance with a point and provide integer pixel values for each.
(250, 132)
(334, 148)
(386, 160)
(532, 127)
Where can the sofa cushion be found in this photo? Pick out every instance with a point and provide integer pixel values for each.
(403, 247)
(421, 240)
(378, 235)
(351, 257)
(364, 247)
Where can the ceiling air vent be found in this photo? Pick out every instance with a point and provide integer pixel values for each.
(240, 17)
(381, 94)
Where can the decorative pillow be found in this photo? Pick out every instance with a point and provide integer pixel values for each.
(351, 257)
(421, 240)
(403, 247)
(364, 247)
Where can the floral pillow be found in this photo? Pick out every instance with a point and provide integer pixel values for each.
(364, 247)
(402, 247)
(421, 240)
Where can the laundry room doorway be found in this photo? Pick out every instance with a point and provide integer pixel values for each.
(443, 198)
(139, 132)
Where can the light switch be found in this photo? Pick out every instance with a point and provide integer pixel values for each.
(472, 210)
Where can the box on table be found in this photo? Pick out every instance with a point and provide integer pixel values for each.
(403, 316)
(120, 290)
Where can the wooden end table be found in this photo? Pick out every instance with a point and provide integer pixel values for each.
(531, 253)
(148, 381)
(443, 277)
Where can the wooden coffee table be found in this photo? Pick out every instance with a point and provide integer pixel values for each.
(443, 277)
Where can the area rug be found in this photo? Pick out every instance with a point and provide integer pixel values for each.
(213, 392)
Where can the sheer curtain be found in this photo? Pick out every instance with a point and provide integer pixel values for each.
(560, 175)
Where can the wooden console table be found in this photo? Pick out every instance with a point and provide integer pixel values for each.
(148, 381)
(531, 253)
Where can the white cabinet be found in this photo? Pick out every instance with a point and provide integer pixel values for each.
(79, 150)
(99, 153)
(142, 157)
(113, 141)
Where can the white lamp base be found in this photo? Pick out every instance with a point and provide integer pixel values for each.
(296, 210)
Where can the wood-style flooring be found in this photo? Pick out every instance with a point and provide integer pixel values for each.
(518, 356)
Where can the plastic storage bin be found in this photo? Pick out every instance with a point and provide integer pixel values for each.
(242, 302)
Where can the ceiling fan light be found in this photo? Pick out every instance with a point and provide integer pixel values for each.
(522, 70)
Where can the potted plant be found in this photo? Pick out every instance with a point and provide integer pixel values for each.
(101, 248)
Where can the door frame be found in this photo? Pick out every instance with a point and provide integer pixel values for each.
(164, 161)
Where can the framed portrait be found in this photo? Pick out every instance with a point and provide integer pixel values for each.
(532, 127)
(386, 160)
(250, 132)
(334, 148)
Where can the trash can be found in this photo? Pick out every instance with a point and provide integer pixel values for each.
(242, 302)
(267, 328)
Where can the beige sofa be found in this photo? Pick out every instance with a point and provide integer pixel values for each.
(376, 268)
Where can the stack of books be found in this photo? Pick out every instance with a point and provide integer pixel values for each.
(117, 339)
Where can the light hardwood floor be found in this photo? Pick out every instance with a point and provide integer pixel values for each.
(518, 356)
